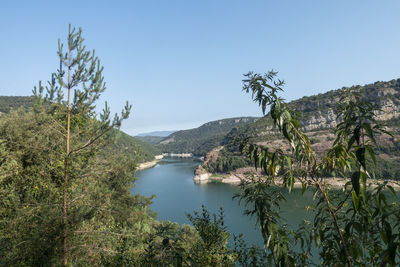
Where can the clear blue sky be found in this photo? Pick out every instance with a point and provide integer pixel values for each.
(180, 63)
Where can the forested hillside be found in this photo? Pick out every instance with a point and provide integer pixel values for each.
(150, 139)
(317, 115)
(123, 142)
(66, 174)
(202, 139)
(12, 102)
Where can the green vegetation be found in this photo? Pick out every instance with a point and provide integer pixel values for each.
(123, 142)
(227, 161)
(317, 114)
(8, 103)
(150, 139)
(202, 139)
(66, 174)
(354, 226)
(71, 204)
(129, 145)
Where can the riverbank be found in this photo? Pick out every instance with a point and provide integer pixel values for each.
(149, 164)
(157, 158)
(235, 178)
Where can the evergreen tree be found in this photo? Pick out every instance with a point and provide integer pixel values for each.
(84, 76)
(64, 195)
(65, 187)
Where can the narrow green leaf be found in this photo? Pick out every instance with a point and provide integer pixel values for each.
(355, 181)
(355, 200)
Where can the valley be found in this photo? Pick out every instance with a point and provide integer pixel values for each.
(216, 141)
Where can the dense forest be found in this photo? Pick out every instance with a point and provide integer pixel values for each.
(152, 140)
(200, 140)
(123, 143)
(13, 102)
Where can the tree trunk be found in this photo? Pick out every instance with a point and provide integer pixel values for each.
(66, 170)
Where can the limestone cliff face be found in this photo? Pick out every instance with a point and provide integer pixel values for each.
(320, 120)
(318, 117)
(389, 110)
(319, 111)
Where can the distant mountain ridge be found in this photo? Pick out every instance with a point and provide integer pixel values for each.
(199, 141)
(157, 133)
(12, 102)
(125, 143)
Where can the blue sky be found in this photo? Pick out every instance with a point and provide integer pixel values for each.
(180, 63)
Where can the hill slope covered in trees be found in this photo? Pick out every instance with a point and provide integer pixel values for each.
(123, 142)
(202, 139)
(13, 102)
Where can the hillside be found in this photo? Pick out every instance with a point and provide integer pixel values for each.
(150, 139)
(124, 143)
(12, 102)
(202, 139)
(153, 137)
(129, 145)
(156, 133)
(318, 118)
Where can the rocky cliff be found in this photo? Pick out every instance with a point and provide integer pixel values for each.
(318, 118)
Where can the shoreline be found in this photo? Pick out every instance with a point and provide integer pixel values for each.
(204, 177)
(146, 165)
(149, 164)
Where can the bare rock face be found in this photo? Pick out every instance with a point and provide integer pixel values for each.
(320, 121)
(389, 110)
(320, 110)
(201, 175)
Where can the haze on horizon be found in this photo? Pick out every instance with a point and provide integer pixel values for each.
(180, 63)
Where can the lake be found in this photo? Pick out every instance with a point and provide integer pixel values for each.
(171, 181)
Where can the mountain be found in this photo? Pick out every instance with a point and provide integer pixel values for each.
(124, 143)
(200, 140)
(318, 118)
(153, 137)
(152, 140)
(12, 102)
(127, 144)
(156, 133)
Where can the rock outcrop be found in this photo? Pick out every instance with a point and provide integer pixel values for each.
(201, 176)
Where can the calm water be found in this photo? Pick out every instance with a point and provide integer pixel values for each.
(171, 181)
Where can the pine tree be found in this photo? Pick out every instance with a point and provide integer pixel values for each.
(84, 77)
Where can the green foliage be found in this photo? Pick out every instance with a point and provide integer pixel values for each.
(129, 145)
(202, 139)
(213, 240)
(169, 245)
(227, 161)
(123, 142)
(356, 226)
(104, 224)
(388, 168)
(325, 105)
(102, 208)
(249, 255)
(7, 103)
(150, 139)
